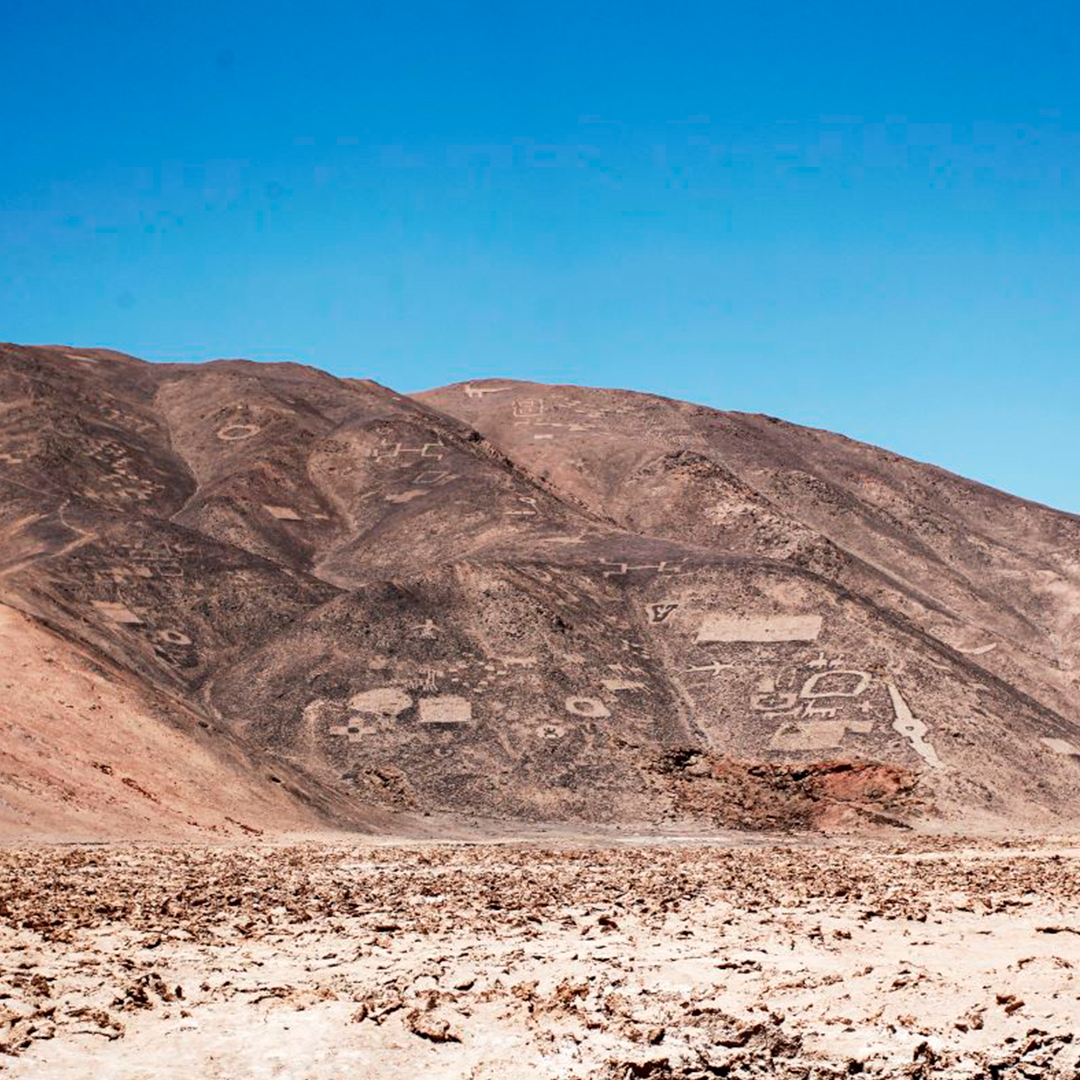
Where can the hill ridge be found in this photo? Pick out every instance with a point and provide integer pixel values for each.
(518, 600)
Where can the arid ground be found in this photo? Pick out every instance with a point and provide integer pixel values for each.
(558, 958)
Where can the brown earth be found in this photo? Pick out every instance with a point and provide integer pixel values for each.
(241, 597)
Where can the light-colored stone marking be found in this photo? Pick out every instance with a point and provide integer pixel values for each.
(816, 734)
(584, 706)
(529, 502)
(424, 679)
(526, 408)
(314, 709)
(760, 628)
(713, 669)
(405, 496)
(479, 391)
(427, 629)
(282, 513)
(835, 683)
(658, 613)
(982, 650)
(118, 613)
(912, 728)
(11, 459)
(619, 685)
(551, 731)
(353, 731)
(123, 574)
(772, 702)
(822, 662)
(622, 568)
(445, 709)
(626, 669)
(238, 432)
(428, 450)
(537, 438)
(434, 477)
(382, 701)
(172, 637)
(1060, 746)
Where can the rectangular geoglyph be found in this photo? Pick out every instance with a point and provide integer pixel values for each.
(759, 628)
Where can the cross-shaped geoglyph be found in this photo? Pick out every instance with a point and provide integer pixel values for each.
(353, 732)
(715, 668)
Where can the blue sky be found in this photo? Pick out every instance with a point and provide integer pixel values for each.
(859, 216)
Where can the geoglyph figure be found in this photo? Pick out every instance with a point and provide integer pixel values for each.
(583, 706)
(383, 701)
(445, 709)
(1060, 746)
(118, 613)
(809, 720)
(757, 628)
(816, 734)
(912, 728)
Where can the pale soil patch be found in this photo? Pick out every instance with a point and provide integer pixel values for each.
(934, 958)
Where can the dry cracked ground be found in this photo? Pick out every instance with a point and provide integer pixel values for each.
(563, 958)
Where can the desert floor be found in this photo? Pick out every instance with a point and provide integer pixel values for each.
(932, 957)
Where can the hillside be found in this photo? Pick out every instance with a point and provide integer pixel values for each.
(284, 600)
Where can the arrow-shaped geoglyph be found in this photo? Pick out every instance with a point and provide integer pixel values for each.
(911, 727)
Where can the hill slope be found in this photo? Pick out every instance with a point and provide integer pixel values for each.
(525, 601)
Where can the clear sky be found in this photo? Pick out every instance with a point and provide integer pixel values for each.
(856, 215)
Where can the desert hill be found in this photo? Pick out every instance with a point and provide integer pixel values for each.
(285, 600)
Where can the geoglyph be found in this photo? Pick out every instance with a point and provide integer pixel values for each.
(759, 628)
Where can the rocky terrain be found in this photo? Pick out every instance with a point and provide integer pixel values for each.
(510, 730)
(241, 597)
(553, 960)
